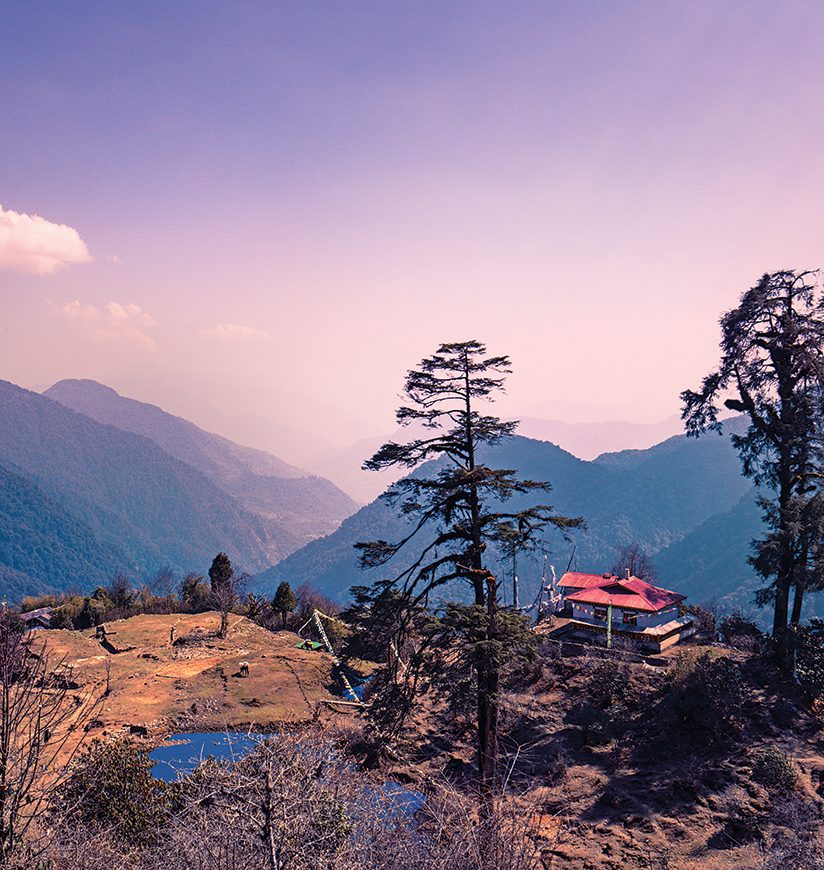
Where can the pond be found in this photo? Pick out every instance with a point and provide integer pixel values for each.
(183, 752)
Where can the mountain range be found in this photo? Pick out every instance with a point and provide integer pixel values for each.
(683, 500)
(303, 505)
(93, 483)
(584, 440)
(590, 440)
(123, 486)
(675, 494)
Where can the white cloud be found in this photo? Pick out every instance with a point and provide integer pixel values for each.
(113, 322)
(30, 243)
(233, 332)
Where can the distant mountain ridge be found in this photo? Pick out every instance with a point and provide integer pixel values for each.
(305, 505)
(139, 503)
(81, 500)
(684, 500)
(211, 453)
(655, 497)
(41, 544)
(589, 440)
(93, 483)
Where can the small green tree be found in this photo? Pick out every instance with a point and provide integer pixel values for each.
(224, 592)
(284, 601)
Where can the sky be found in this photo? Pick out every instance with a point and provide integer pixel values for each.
(259, 215)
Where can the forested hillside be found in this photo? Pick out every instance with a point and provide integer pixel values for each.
(111, 499)
(42, 546)
(654, 497)
(304, 505)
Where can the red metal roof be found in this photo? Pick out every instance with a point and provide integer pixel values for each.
(632, 593)
(577, 580)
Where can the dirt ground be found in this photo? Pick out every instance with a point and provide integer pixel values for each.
(157, 686)
(613, 803)
(633, 802)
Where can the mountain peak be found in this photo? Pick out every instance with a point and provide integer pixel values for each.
(81, 384)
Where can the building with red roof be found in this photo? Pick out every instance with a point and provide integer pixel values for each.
(627, 606)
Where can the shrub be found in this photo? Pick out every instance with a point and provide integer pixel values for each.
(35, 602)
(708, 696)
(774, 769)
(112, 788)
(798, 846)
(810, 659)
(556, 763)
(607, 681)
(705, 620)
(61, 619)
(739, 632)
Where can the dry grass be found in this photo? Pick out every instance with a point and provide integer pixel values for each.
(195, 682)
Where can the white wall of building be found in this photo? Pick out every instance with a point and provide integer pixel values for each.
(586, 613)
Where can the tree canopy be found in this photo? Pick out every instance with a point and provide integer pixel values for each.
(457, 509)
(772, 371)
(284, 601)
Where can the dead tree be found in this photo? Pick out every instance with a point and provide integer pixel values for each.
(226, 587)
(41, 728)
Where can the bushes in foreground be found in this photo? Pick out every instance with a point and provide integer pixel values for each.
(290, 804)
(111, 789)
(810, 661)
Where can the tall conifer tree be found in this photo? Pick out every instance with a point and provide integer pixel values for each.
(455, 511)
(772, 371)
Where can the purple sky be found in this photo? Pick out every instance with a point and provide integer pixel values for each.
(277, 208)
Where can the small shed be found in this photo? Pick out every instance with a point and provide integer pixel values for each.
(40, 618)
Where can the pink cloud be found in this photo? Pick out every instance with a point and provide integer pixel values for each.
(112, 322)
(32, 244)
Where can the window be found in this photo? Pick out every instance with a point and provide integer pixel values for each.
(601, 614)
(630, 618)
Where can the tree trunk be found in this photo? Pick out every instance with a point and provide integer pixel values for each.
(268, 827)
(474, 505)
(488, 680)
(798, 600)
(514, 581)
(787, 475)
(784, 576)
(224, 623)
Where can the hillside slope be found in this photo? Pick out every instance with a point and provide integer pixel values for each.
(42, 546)
(139, 503)
(194, 683)
(710, 565)
(656, 499)
(305, 505)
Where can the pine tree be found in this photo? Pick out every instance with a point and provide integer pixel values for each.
(772, 370)
(284, 601)
(223, 594)
(458, 505)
